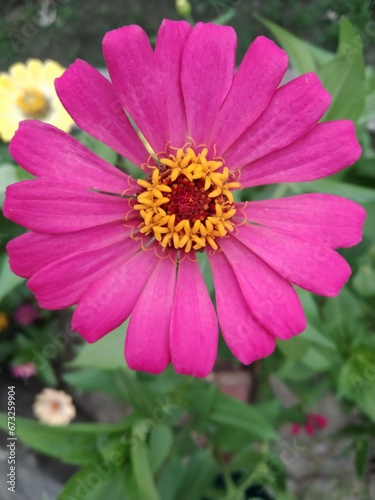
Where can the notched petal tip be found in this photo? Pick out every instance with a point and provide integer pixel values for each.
(355, 152)
(115, 36)
(266, 44)
(312, 80)
(18, 139)
(170, 24)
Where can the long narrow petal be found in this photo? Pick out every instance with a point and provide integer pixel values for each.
(310, 265)
(294, 109)
(194, 329)
(254, 85)
(108, 303)
(324, 150)
(89, 99)
(245, 337)
(47, 152)
(47, 248)
(170, 43)
(62, 283)
(322, 218)
(137, 81)
(270, 298)
(206, 76)
(49, 207)
(147, 338)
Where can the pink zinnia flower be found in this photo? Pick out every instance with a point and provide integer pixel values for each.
(312, 424)
(26, 314)
(26, 370)
(118, 247)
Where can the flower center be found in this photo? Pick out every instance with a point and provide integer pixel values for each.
(55, 405)
(33, 103)
(187, 202)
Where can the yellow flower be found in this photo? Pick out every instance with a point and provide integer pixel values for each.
(4, 321)
(54, 407)
(27, 91)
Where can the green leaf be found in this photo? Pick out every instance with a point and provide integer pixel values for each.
(224, 18)
(206, 394)
(356, 193)
(368, 112)
(95, 482)
(91, 379)
(8, 280)
(341, 316)
(230, 412)
(160, 445)
(206, 271)
(316, 359)
(304, 56)
(364, 281)
(362, 452)
(349, 40)
(295, 371)
(4, 153)
(316, 337)
(198, 474)
(97, 147)
(142, 469)
(137, 393)
(246, 458)
(357, 381)
(310, 306)
(75, 444)
(344, 77)
(344, 80)
(8, 175)
(277, 472)
(131, 491)
(46, 373)
(169, 478)
(368, 230)
(106, 354)
(294, 348)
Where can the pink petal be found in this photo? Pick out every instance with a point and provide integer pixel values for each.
(108, 303)
(324, 150)
(138, 82)
(322, 218)
(194, 329)
(310, 429)
(147, 338)
(48, 207)
(294, 109)
(312, 266)
(254, 85)
(170, 42)
(63, 282)
(47, 152)
(270, 298)
(206, 76)
(89, 99)
(295, 429)
(31, 251)
(246, 338)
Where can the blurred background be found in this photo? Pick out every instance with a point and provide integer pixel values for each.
(297, 425)
(66, 29)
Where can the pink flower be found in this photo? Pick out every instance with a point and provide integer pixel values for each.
(312, 424)
(26, 370)
(118, 247)
(26, 314)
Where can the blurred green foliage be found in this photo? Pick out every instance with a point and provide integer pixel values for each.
(27, 29)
